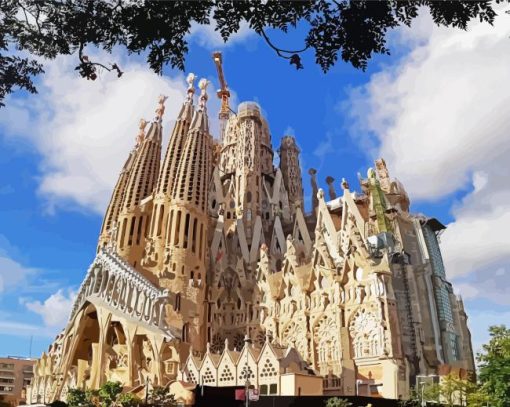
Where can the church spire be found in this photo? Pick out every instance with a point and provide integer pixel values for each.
(291, 171)
(200, 120)
(176, 143)
(188, 224)
(193, 172)
(115, 205)
(139, 185)
(159, 224)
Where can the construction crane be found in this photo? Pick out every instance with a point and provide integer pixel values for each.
(223, 93)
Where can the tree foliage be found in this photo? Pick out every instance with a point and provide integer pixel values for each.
(492, 389)
(451, 391)
(109, 392)
(109, 395)
(494, 366)
(351, 30)
(78, 398)
(160, 396)
(337, 402)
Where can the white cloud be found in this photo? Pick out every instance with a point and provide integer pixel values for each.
(446, 102)
(440, 118)
(12, 273)
(84, 130)
(206, 36)
(55, 309)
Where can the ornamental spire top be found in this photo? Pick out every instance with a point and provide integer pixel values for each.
(141, 131)
(190, 79)
(203, 92)
(160, 110)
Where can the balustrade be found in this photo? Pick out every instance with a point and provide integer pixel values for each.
(115, 282)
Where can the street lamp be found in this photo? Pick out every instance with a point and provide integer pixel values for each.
(247, 342)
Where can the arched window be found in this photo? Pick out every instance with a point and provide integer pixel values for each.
(178, 302)
(123, 233)
(160, 221)
(185, 332)
(177, 229)
(195, 236)
(186, 231)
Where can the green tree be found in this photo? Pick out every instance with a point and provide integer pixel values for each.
(78, 398)
(109, 392)
(161, 396)
(478, 398)
(351, 30)
(337, 402)
(494, 366)
(449, 390)
(127, 400)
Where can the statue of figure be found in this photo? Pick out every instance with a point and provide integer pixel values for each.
(264, 259)
(149, 254)
(228, 281)
(112, 236)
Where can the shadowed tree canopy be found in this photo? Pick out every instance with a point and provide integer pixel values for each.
(34, 30)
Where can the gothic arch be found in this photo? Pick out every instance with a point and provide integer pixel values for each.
(367, 334)
(326, 334)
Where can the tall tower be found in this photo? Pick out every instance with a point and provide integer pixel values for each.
(291, 171)
(109, 227)
(188, 226)
(246, 159)
(134, 217)
(159, 234)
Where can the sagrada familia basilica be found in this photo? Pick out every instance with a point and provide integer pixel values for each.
(209, 271)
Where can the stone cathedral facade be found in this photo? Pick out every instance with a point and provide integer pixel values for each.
(212, 244)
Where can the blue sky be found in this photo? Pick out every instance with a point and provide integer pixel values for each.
(437, 110)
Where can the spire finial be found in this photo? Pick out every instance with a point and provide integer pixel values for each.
(345, 184)
(202, 84)
(141, 131)
(161, 108)
(190, 79)
(330, 181)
